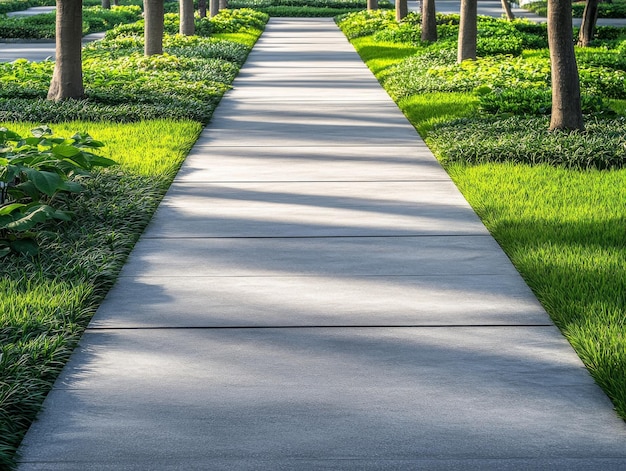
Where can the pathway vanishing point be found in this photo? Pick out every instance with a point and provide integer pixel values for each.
(315, 294)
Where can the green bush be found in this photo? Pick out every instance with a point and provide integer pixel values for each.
(365, 23)
(35, 173)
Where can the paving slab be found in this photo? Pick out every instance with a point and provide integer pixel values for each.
(154, 302)
(479, 398)
(307, 209)
(336, 256)
(329, 164)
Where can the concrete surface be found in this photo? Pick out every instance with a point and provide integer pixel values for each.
(314, 293)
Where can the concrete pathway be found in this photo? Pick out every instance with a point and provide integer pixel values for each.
(314, 293)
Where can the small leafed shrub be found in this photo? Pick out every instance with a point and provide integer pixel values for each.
(35, 173)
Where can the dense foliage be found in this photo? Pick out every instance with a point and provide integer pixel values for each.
(43, 26)
(612, 9)
(511, 77)
(306, 8)
(122, 85)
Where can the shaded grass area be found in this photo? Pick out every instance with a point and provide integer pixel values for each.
(562, 225)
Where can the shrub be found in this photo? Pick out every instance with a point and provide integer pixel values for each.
(34, 174)
(365, 23)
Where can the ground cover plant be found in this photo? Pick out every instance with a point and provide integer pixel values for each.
(612, 9)
(42, 26)
(49, 298)
(306, 8)
(554, 201)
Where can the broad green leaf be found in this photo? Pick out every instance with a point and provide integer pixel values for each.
(39, 214)
(99, 161)
(46, 182)
(8, 209)
(25, 246)
(41, 131)
(73, 187)
(4, 251)
(65, 150)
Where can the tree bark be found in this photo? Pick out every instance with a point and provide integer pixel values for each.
(506, 6)
(106, 4)
(566, 106)
(402, 9)
(67, 78)
(223, 4)
(187, 25)
(429, 21)
(202, 8)
(153, 30)
(588, 25)
(468, 30)
(372, 4)
(214, 7)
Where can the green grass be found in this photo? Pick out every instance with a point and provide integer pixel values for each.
(563, 228)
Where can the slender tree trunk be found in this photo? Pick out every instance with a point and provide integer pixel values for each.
(429, 21)
(468, 30)
(223, 4)
(588, 25)
(402, 9)
(153, 30)
(506, 6)
(372, 4)
(116, 3)
(187, 25)
(67, 78)
(214, 7)
(106, 4)
(202, 8)
(566, 107)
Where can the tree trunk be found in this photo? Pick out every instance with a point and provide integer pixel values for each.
(214, 7)
(116, 3)
(468, 30)
(402, 9)
(588, 25)
(187, 25)
(202, 8)
(153, 29)
(223, 4)
(372, 4)
(106, 4)
(566, 107)
(67, 78)
(429, 21)
(506, 6)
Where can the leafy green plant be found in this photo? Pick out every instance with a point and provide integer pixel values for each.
(34, 173)
(43, 26)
